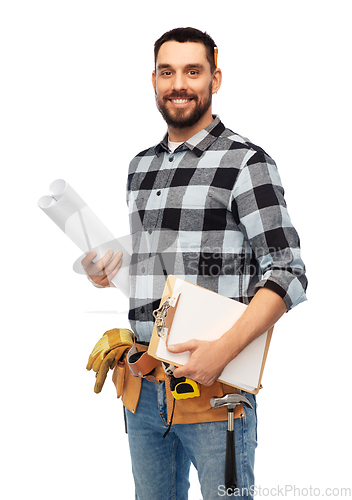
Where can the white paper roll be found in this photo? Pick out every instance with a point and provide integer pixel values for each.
(73, 216)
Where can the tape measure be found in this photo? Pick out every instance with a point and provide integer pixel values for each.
(183, 388)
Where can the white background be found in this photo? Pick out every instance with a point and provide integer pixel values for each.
(77, 103)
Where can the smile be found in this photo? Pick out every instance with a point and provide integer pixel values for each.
(181, 101)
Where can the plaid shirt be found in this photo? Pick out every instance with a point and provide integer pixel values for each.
(213, 213)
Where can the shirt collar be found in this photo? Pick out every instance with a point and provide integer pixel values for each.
(199, 142)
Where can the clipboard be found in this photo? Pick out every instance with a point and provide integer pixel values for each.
(188, 311)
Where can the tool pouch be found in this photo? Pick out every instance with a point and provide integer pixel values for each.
(118, 377)
(140, 363)
(197, 410)
(128, 374)
(127, 386)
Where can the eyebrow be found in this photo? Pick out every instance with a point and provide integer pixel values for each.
(188, 66)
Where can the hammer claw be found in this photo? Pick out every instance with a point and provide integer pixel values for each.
(230, 400)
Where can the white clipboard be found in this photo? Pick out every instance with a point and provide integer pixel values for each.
(205, 315)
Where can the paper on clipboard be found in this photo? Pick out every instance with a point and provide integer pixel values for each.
(205, 315)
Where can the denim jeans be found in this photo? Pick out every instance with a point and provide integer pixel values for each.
(161, 466)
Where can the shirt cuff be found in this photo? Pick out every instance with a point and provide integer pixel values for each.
(289, 287)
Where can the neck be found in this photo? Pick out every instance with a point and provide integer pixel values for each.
(183, 134)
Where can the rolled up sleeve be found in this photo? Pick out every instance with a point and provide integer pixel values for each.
(260, 211)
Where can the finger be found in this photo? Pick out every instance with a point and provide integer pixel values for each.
(103, 371)
(109, 272)
(88, 259)
(91, 360)
(182, 347)
(111, 276)
(114, 264)
(179, 372)
(98, 268)
(98, 362)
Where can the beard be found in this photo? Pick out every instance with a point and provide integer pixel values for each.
(183, 118)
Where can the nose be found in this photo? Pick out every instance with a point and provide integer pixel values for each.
(179, 82)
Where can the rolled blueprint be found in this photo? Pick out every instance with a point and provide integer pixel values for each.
(73, 216)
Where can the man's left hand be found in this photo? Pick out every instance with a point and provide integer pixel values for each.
(206, 361)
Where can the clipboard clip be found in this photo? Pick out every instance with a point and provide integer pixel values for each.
(161, 313)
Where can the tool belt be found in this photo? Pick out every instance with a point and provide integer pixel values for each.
(128, 378)
(141, 364)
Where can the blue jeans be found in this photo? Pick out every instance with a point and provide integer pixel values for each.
(161, 466)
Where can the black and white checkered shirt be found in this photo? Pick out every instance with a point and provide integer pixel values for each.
(213, 213)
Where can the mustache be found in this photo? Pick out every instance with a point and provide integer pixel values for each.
(180, 95)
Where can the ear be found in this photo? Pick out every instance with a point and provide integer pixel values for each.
(217, 79)
(154, 81)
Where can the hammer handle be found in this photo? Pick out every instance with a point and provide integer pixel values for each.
(230, 464)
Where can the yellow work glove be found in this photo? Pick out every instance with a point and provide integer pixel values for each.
(107, 352)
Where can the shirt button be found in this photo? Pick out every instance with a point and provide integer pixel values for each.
(158, 193)
(171, 158)
(143, 270)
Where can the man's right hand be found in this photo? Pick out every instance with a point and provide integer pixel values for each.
(102, 272)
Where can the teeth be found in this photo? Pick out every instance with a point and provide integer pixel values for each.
(180, 101)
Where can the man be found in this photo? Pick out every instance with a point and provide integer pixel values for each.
(206, 205)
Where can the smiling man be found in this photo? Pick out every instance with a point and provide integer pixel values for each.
(184, 84)
(206, 205)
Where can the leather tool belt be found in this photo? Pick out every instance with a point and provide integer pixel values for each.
(128, 387)
(141, 364)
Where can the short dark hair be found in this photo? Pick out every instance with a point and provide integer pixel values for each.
(183, 35)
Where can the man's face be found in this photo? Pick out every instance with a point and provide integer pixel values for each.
(183, 84)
